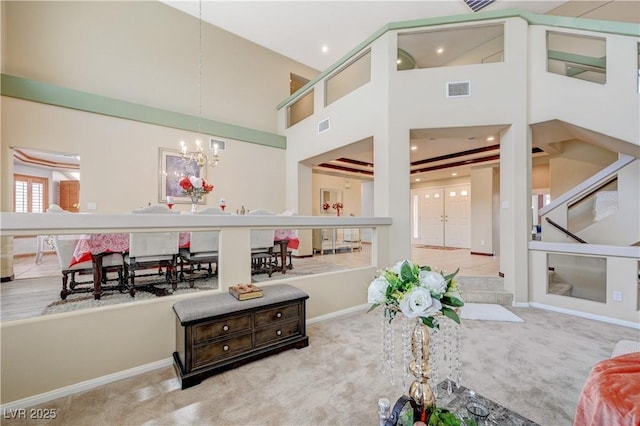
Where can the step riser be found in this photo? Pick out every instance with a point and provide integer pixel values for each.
(504, 298)
(485, 290)
(481, 283)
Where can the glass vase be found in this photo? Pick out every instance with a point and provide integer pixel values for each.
(194, 203)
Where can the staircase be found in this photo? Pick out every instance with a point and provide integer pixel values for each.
(484, 290)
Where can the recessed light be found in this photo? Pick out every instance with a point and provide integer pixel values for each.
(490, 138)
(413, 148)
(417, 179)
(325, 48)
(399, 61)
(440, 50)
(454, 174)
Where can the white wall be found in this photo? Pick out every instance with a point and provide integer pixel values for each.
(482, 210)
(123, 50)
(586, 104)
(119, 167)
(148, 53)
(367, 208)
(577, 162)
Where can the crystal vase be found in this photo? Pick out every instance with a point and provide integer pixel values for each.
(420, 391)
(194, 203)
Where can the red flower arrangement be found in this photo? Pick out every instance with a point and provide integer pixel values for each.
(195, 186)
(325, 206)
(338, 206)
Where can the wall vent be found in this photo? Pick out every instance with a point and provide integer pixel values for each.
(476, 5)
(222, 145)
(324, 125)
(458, 89)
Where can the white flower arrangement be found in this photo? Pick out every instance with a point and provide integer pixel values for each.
(417, 292)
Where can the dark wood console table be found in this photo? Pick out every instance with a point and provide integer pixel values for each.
(218, 332)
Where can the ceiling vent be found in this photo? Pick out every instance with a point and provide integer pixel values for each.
(324, 125)
(222, 145)
(458, 89)
(476, 5)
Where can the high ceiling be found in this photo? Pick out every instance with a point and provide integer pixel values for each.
(299, 29)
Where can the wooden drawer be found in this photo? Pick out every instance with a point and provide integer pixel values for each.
(281, 331)
(225, 348)
(274, 315)
(223, 327)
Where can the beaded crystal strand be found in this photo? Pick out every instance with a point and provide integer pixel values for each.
(406, 350)
(448, 354)
(435, 353)
(388, 340)
(458, 350)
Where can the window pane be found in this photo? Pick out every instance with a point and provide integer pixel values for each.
(37, 195)
(301, 109)
(580, 57)
(21, 197)
(348, 79)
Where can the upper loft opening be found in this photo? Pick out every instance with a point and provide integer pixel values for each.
(450, 47)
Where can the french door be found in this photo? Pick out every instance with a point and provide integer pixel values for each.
(442, 216)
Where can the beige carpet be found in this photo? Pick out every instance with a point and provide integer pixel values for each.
(536, 368)
(78, 301)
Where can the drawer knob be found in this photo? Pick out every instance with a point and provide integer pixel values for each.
(279, 315)
(225, 348)
(279, 332)
(225, 328)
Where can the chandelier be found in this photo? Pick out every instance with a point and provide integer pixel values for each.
(198, 154)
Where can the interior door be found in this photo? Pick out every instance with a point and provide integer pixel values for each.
(431, 217)
(457, 218)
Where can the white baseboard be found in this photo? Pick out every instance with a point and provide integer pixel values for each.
(595, 317)
(337, 314)
(84, 386)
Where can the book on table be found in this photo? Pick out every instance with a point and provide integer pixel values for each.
(245, 291)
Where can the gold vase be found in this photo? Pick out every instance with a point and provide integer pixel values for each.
(420, 391)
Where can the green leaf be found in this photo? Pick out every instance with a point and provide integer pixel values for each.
(450, 276)
(450, 313)
(428, 321)
(452, 301)
(372, 307)
(406, 273)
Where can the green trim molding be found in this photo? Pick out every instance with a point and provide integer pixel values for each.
(608, 27)
(45, 93)
(600, 63)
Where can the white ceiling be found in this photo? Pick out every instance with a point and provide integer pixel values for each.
(299, 29)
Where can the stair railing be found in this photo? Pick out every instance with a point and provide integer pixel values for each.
(588, 185)
(565, 231)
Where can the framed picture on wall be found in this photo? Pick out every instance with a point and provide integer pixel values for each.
(171, 168)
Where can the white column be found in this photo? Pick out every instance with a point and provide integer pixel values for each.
(515, 209)
(234, 258)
